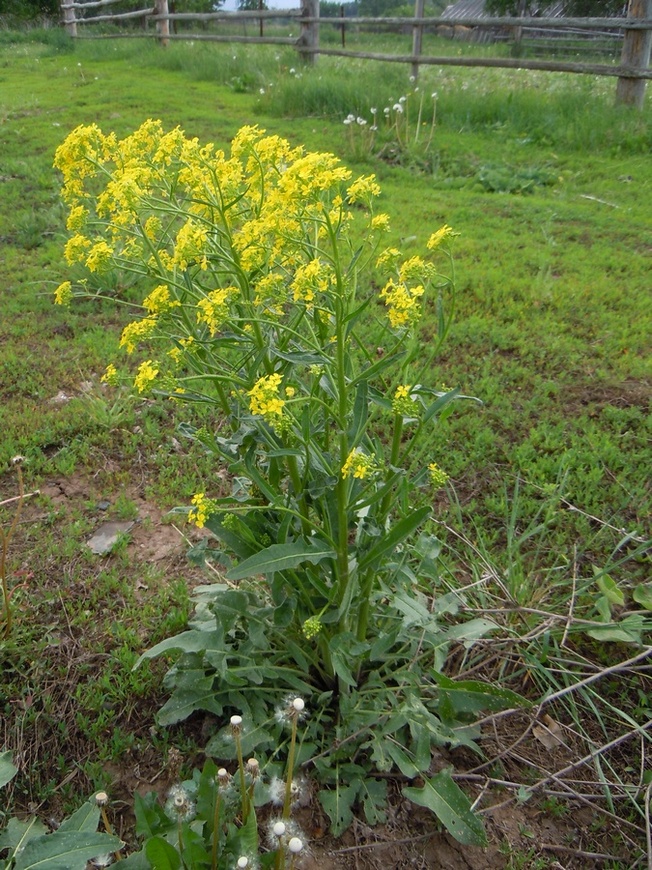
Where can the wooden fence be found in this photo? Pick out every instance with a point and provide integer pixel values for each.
(632, 72)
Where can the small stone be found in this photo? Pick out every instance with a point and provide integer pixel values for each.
(106, 537)
(103, 505)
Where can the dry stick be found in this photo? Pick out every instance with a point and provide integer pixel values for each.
(380, 843)
(578, 853)
(571, 606)
(18, 497)
(648, 830)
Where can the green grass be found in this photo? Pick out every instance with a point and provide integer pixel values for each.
(551, 331)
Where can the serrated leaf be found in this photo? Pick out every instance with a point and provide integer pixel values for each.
(451, 806)
(161, 855)
(70, 850)
(643, 595)
(373, 794)
(8, 769)
(281, 557)
(338, 806)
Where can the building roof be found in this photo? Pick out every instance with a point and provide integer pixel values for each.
(476, 9)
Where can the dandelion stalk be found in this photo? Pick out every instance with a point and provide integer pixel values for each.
(236, 728)
(296, 708)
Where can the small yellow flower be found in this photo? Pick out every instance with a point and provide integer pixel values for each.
(290, 392)
(438, 477)
(99, 257)
(264, 399)
(437, 238)
(137, 331)
(363, 189)
(380, 222)
(77, 218)
(63, 294)
(358, 465)
(403, 404)
(201, 510)
(159, 300)
(402, 303)
(110, 376)
(145, 376)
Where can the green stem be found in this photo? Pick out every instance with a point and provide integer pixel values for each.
(295, 477)
(290, 769)
(216, 829)
(243, 784)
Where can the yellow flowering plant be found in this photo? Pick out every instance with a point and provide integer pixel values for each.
(254, 270)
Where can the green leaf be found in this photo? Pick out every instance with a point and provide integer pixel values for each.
(187, 642)
(338, 806)
(69, 850)
(360, 414)
(451, 806)
(17, 833)
(86, 818)
(137, 861)
(8, 769)
(440, 403)
(373, 794)
(390, 541)
(161, 855)
(610, 589)
(472, 696)
(281, 557)
(643, 595)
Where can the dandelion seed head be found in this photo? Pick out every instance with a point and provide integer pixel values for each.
(295, 845)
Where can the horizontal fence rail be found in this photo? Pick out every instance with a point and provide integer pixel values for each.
(635, 32)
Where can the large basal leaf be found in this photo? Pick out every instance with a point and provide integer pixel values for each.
(451, 806)
(86, 818)
(281, 557)
(161, 855)
(186, 642)
(70, 850)
(8, 769)
(472, 696)
(19, 832)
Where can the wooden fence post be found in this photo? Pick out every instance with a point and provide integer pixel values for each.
(417, 37)
(636, 53)
(69, 19)
(162, 27)
(309, 37)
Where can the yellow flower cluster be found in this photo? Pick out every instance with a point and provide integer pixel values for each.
(403, 404)
(363, 189)
(437, 238)
(137, 331)
(438, 477)
(264, 399)
(358, 465)
(214, 309)
(315, 277)
(145, 376)
(402, 303)
(63, 293)
(159, 300)
(201, 510)
(110, 376)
